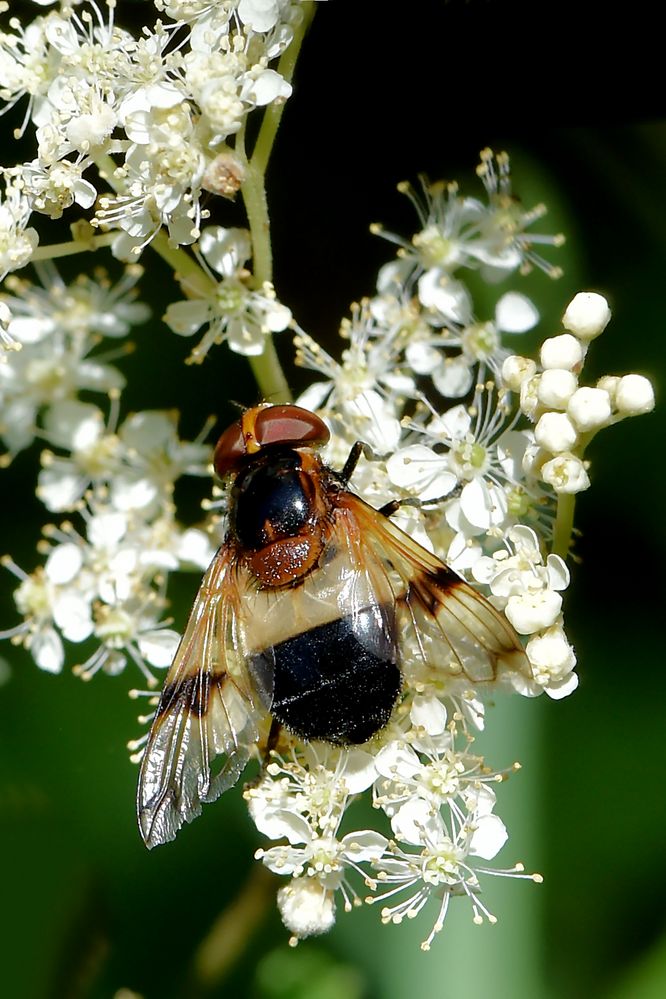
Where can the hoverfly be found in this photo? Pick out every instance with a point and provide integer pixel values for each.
(300, 619)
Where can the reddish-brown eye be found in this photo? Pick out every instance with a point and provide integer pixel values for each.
(264, 426)
(229, 449)
(289, 425)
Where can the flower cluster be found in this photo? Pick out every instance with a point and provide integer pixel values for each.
(139, 131)
(566, 414)
(485, 449)
(437, 798)
(106, 581)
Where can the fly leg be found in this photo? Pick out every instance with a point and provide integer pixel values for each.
(361, 448)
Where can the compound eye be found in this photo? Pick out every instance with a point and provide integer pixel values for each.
(291, 426)
(263, 426)
(229, 450)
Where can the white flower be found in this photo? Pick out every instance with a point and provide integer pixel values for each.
(17, 241)
(302, 800)
(530, 588)
(79, 428)
(232, 310)
(307, 907)
(58, 327)
(553, 661)
(479, 454)
(359, 392)
(443, 865)
(56, 187)
(50, 608)
(566, 473)
(162, 178)
(462, 232)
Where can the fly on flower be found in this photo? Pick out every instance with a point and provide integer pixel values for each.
(302, 620)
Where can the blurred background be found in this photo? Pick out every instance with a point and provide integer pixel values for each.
(384, 92)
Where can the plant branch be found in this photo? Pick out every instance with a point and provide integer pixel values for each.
(230, 933)
(564, 519)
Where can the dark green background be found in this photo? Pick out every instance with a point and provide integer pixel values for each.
(383, 92)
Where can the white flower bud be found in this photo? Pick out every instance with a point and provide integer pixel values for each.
(307, 908)
(566, 474)
(551, 655)
(634, 395)
(529, 396)
(556, 387)
(532, 611)
(563, 351)
(590, 408)
(516, 370)
(555, 432)
(609, 383)
(587, 315)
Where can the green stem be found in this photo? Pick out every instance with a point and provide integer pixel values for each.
(52, 250)
(273, 116)
(256, 206)
(231, 932)
(266, 367)
(186, 269)
(564, 518)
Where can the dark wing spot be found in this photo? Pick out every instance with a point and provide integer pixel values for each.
(430, 588)
(194, 692)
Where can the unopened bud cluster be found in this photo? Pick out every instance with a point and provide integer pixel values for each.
(566, 415)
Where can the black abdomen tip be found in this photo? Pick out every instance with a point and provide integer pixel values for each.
(337, 682)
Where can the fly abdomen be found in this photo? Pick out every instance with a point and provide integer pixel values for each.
(337, 682)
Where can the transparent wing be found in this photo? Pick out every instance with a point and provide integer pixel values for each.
(209, 716)
(452, 625)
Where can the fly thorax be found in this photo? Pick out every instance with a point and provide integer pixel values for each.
(271, 500)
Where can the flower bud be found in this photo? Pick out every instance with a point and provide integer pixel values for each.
(566, 474)
(551, 655)
(563, 351)
(634, 395)
(555, 432)
(589, 408)
(587, 315)
(306, 907)
(609, 383)
(531, 611)
(529, 398)
(224, 175)
(515, 370)
(556, 388)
